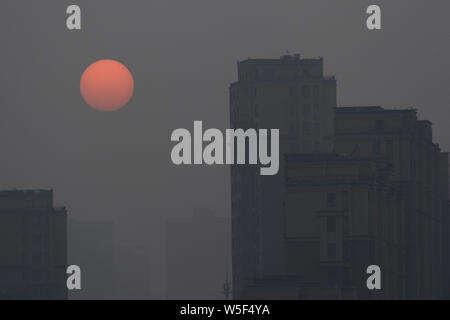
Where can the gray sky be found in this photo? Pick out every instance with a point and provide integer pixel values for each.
(183, 56)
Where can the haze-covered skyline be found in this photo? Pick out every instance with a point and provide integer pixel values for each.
(183, 56)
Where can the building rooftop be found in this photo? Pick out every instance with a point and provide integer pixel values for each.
(284, 59)
(28, 199)
(26, 192)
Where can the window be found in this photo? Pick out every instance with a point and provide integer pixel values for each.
(331, 224)
(331, 250)
(331, 199)
(306, 91)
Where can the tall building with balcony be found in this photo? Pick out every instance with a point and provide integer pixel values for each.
(33, 246)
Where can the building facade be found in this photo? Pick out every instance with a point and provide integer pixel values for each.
(375, 193)
(133, 272)
(293, 95)
(196, 256)
(342, 215)
(91, 246)
(33, 246)
(421, 179)
(290, 94)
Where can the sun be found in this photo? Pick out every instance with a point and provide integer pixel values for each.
(107, 85)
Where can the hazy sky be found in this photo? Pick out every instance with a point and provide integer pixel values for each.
(183, 56)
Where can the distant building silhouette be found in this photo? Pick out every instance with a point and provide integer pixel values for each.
(133, 272)
(91, 246)
(33, 246)
(378, 194)
(196, 251)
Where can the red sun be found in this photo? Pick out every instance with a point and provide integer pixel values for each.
(107, 85)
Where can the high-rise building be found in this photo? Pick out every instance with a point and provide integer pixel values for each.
(343, 214)
(91, 247)
(293, 95)
(376, 192)
(133, 272)
(33, 246)
(417, 231)
(196, 256)
(290, 94)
